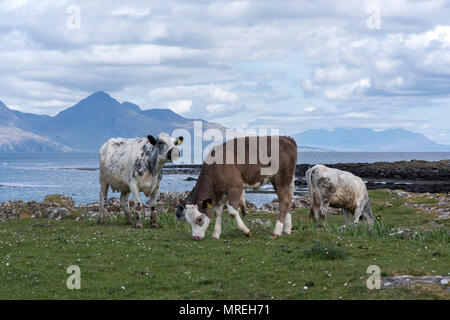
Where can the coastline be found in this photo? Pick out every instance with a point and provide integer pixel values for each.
(411, 176)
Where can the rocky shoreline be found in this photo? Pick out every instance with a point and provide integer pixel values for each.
(412, 176)
(60, 206)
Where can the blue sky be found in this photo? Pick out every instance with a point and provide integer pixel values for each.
(292, 65)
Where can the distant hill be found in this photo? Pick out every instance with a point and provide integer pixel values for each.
(362, 139)
(99, 117)
(16, 135)
(95, 119)
(16, 140)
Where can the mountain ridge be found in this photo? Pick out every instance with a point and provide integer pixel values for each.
(93, 120)
(369, 140)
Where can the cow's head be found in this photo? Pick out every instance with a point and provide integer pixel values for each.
(166, 146)
(197, 215)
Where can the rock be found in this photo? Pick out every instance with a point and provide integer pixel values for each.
(61, 200)
(407, 280)
(271, 206)
(56, 213)
(260, 222)
(250, 205)
(300, 202)
(408, 233)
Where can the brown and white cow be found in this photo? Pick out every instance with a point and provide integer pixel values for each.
(246, 162)
(340, 189)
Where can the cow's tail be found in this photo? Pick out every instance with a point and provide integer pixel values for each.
(309, 176)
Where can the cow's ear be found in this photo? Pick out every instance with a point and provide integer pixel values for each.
(151, 139)
(207, 204)
(179, 141)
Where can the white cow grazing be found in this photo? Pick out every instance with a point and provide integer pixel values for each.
(134, 165)
(340, 189)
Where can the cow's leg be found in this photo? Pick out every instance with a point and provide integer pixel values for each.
(234, 196)
(324, 210)
(347, 216)
(218, 225)
(314, 212)
(242, 204)
(357, 214)
(288, 220)
(284, 197)
(103, 199)
(124, 196)
(153, 199)
(367, 213)
(139, 205)
(315, 203)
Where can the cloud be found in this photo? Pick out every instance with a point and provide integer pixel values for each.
(180, 106)
(240, 62)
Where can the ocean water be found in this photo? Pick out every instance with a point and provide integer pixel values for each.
(32, 176)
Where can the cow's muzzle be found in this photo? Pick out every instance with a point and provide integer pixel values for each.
(173, 154)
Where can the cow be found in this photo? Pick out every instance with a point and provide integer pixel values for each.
(340, 189)
(135, 165)
(225, 174)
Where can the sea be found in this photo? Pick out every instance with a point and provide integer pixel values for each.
(31, 176)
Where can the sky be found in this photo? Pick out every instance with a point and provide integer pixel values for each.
(289, 65)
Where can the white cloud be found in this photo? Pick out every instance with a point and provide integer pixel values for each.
(180, 106)
(131, 11)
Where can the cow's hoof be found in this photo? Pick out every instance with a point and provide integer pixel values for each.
(139, 225)
(287, 232)
(248, 234)
(274, 236)
(101, 221)
(215, 237)
(154, 225)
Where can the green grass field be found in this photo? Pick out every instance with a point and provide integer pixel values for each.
(119, 262)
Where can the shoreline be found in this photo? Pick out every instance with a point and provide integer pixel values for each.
(411, 176)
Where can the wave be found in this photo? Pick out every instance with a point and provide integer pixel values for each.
(26, 185)
(56, 168)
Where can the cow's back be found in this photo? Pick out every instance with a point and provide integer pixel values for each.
(117, 156)
(249, 167)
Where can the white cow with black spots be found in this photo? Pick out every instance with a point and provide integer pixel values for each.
(134, 165)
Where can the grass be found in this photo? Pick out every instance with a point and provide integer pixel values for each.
(119, 262)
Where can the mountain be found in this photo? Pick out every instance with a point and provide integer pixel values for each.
(15, 135)
(363, 139)
(95, 119)
(16, 140)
